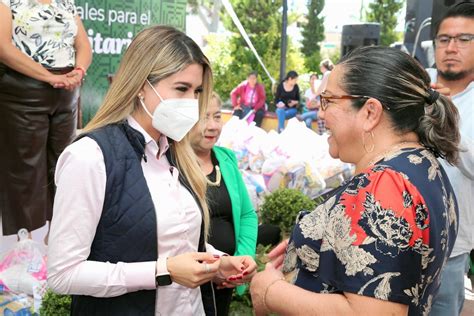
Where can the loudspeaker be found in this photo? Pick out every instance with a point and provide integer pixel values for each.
(440, 7)
(417, 14)
(356, 35)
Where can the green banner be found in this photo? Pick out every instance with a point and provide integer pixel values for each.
(110, 26)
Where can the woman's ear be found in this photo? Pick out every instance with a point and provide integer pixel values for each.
(372, 114)
(142, 90)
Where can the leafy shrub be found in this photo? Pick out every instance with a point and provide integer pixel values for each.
(55, 304)
(281, 207)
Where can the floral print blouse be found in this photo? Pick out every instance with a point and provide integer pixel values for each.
(45, 32)
(386, 233)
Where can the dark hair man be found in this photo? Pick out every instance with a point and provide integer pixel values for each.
(454, 56)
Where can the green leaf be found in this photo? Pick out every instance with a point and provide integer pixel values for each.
(282, 206)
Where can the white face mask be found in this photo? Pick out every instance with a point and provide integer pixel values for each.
(174, 117)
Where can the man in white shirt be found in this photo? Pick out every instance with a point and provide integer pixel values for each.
(454, 56)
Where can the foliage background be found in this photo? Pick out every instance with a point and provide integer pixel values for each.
(282, 206)
(313, 34)
(231, 58)
(385, 13)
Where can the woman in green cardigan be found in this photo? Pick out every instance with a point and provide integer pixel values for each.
(234, 222)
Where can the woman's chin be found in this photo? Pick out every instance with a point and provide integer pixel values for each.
(333, 154)
(333, 151)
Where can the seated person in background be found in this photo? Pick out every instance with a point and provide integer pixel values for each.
(249, 96)
(312, 104)
(287, 99)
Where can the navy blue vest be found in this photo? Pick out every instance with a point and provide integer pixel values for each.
(127, 228)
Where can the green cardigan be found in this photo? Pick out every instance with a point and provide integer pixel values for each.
(243, 213)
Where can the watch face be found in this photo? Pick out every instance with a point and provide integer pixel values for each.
(162, 280)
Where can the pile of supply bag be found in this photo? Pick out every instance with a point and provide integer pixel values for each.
(22, 277)
(296, 158)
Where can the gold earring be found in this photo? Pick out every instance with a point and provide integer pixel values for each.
(373, 142)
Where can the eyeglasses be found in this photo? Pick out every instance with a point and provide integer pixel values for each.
(461, 41)
(327, 96)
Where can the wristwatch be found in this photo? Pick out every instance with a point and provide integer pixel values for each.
(163, 276)
(162, 280)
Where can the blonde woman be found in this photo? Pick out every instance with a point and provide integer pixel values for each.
(128, 235)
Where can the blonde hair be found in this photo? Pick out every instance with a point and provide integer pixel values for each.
(327, 63)
(216, 96)
(156, 53)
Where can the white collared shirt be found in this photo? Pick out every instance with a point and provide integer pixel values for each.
(81, 179)
(461, 176)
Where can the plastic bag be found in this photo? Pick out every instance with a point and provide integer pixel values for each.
(16, 305)
(23, 269)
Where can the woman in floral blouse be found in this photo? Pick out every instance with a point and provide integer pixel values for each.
(44, 56)
(377, 243)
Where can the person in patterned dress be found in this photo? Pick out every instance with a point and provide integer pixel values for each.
(44, 56)
(377, 244)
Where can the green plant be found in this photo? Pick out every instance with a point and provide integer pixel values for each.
(313, 34)
(55, 304)
(281, 207)
(385, 12)
(265, 34)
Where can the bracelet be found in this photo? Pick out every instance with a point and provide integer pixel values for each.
(82, 70)
(264, 300)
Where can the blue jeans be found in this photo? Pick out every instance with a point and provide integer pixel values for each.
(309, 117)
(450, 298)
(283, 114)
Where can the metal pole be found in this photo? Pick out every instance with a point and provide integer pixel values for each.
(231, 12)
(284, 23)
(426, 22)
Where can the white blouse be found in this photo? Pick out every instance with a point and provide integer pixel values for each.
(45, 32)
(80, 179)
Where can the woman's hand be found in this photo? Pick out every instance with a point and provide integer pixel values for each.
(260, 285)
(234, 271)
(292, 103)
(77, 74)
(277, 255)
(63, 81)
(280, 105)
(193, 268)
(313, 104)
(441, 89)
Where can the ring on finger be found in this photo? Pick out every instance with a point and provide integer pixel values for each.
(206, 268)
